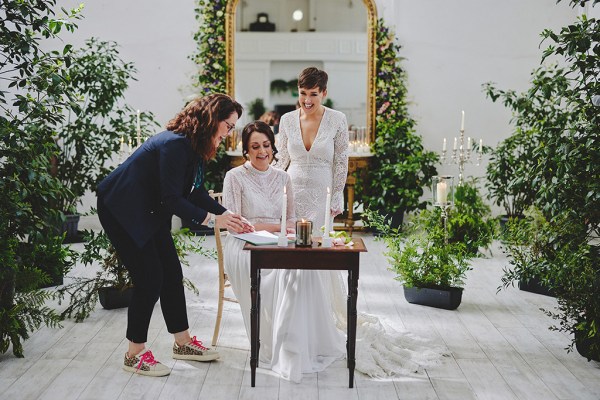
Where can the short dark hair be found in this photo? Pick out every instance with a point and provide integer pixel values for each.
(261, 127)
(312, 77)
(200, 118)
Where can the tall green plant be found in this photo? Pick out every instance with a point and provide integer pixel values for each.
(400, 167)
(37, 98)
(92, 132)
(566, 128)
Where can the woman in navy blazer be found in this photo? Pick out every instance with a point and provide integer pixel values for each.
(135, 205)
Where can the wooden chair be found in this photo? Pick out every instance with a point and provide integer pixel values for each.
(223, 278)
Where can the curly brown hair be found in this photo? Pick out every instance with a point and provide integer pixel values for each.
(312, 77)
(200, 118)
(261, 127)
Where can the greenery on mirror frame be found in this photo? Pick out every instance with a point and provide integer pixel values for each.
(210, 58)
(38, 97)
(400, 166)
(99, 122)
(558, 255)
(82, 292)
(418, 253)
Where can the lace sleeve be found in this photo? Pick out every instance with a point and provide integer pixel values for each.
(340, 164)
(232, 199)
(283, 155)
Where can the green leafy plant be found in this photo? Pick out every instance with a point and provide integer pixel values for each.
(558, 110)
(400, 166)
(82, 292)
(256, 108)
(92, 132)
(419, 255)
(38, 97)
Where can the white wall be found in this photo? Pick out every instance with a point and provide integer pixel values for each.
(451, 48)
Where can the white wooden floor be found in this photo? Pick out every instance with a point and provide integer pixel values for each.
(499, 343)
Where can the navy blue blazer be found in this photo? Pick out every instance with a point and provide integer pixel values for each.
(154, 183)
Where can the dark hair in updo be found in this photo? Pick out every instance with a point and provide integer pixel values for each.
(261, 127)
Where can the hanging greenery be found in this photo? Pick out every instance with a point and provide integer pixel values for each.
(212, 72)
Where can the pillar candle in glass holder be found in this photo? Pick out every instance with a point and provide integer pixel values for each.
(442, 192)
(303, 233)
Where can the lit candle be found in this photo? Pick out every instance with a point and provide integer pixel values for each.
(122, 144)
(303, 233)
(442, 192)
(327, 213)
(282, 230)
(139, 129)
(462, 121)
(444, 145)
(129, 145)
(469, 143)
(480, 145)
(455, 143)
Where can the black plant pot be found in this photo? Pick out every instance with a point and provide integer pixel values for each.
(69, 227)
(535, 285)
(112, 297)
(446, 298)
(583, 345)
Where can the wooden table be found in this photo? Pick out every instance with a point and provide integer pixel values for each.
(309, 258)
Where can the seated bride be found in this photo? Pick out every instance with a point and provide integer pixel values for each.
(302, 316)
(297, 334)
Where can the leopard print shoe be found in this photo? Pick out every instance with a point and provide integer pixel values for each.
(194, 351)
(145, 364)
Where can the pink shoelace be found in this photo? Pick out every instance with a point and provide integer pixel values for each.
(147, 358)
(197, 343)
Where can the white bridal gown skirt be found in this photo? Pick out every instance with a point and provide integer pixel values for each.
(297, 327)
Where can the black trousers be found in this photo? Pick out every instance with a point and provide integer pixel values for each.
(156, 274)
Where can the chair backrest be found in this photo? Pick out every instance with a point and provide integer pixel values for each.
(219, 234)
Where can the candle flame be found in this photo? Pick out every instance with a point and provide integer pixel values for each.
(303, 220)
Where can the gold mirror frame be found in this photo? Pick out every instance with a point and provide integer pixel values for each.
(371, 26)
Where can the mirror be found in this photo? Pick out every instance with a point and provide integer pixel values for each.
(270, 41)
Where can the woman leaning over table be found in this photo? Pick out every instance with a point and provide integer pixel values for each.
(135, 205)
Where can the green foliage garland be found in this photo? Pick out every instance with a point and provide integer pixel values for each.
(210, 57)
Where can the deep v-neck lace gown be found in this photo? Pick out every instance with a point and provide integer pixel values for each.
(324, 165)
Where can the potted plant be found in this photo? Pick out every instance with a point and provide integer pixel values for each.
(561, 113)
(112, 284)
(400, 166)
(256, 108)
(96, 128)
(431, 268)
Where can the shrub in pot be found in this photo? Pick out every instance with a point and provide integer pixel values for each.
(421, 257)
(111, 282)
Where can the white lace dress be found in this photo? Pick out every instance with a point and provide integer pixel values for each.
(313, 171)
(297, 330)
(380, 352)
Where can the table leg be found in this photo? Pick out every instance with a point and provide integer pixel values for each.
(254, 319)
(352, 316)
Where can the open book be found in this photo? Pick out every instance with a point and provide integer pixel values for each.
(258, 238)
